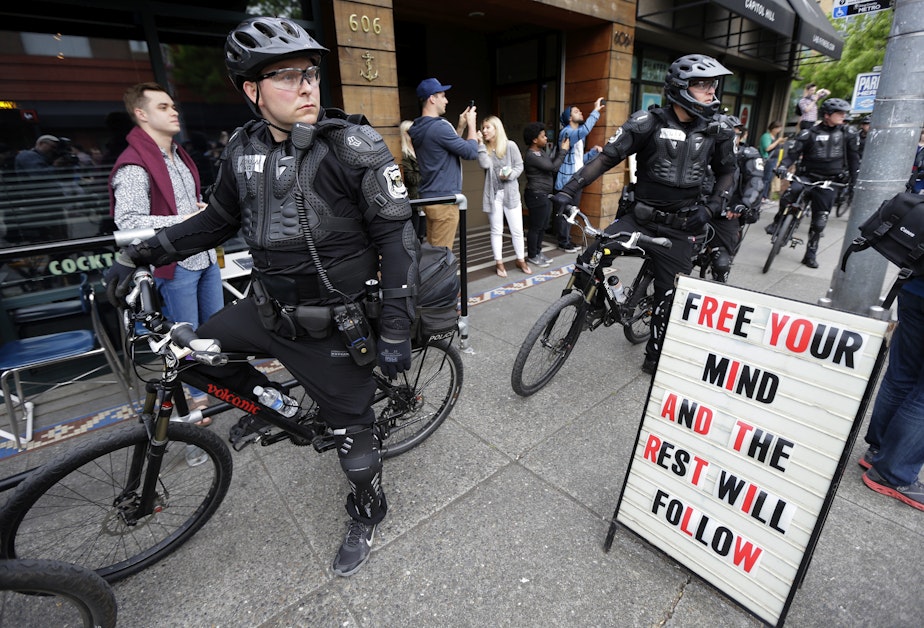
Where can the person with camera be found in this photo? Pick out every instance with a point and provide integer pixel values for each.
(675, 145)
(829, 150)
(320, 201)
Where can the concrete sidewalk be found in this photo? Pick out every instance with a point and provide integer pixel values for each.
(499, 518)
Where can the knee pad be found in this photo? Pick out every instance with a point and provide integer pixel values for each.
(361, 461)
(721, 265)
(819, 221)
(360, 457)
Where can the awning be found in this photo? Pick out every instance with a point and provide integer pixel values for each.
(815, 31)
(773, 14)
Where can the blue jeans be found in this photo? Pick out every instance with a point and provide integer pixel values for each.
(192, 296)
(769, 165)
(897, 423)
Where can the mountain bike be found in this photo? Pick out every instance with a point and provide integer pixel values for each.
(590, 299)
(54, 593)
(783, 233)
(122, 502)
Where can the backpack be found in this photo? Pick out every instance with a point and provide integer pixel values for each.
(438, 290)
(896, 230)
(797, 110)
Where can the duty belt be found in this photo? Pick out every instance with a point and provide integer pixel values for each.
(675, 220)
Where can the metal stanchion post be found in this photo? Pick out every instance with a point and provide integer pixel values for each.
(463, 270)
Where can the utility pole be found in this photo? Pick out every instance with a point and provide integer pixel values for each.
(895, 126)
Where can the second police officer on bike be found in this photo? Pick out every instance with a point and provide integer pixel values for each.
(321, 204)
(743, 206)
(830, 150)
(674, 146)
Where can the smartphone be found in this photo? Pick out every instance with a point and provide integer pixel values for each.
(603, 101)
(471, 103)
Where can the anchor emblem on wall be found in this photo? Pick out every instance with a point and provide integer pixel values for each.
(370, 73)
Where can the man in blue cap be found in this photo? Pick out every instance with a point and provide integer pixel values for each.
(439, 149)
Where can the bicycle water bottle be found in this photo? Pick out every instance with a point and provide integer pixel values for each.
(615, 289)
(274, 399)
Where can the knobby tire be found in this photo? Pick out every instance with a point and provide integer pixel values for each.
(67, 510)
(548, 344)
(641, 304)
(781, 238)
(427, 393)
(54, 593)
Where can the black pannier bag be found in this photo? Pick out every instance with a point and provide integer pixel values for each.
(437, 295)
(896, 231)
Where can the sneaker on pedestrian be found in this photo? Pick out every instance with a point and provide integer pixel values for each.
(545, 258)
(355, 549)
(867, 460)
(535, 260)
(570, 247)
(913, 494)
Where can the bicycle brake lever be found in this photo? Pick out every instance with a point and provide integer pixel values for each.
(209, 358)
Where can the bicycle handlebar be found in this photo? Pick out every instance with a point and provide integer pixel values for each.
(141, 299)
(629, 239)
(827, 183)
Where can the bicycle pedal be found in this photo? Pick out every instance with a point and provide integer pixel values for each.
(796, 242)
(247, 430)
(323, 442)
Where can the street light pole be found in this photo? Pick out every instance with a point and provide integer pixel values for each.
(895, 126)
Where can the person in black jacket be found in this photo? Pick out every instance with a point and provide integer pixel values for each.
(321, 203)
(540, 168)
(675, 146)
(827, 151)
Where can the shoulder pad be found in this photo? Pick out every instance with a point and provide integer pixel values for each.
(749, 152)
(360, 146)
(640, 121)
(803, 135)
(849, 129)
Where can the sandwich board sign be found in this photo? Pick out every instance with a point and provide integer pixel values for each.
(749, 423)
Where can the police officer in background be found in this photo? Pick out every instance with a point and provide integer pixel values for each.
(674, 146)
(321, 204)
(829, 150)
(743, 206)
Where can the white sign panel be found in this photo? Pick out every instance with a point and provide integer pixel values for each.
(864, 92)
(750, 412)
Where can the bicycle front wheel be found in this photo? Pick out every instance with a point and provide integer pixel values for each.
(780, 238)
(78, 508)
(640, 306)
(417, 403)
(548, 344)
(54, 593)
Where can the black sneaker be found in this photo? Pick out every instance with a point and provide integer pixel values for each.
(570, 247)
(355, 549)
(649, 365)
(913, 494)
(769, 229)
(867, 460)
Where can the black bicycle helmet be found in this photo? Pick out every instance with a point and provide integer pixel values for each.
(258, 41)
(677, 83)
(831, 105)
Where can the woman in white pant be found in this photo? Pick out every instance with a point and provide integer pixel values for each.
(503, 164)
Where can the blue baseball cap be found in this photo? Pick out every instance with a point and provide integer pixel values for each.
(566, 115)
(430, 86)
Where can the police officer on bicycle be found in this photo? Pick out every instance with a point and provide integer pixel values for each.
(674, 144)
(742, 207)
(321, 204)
(830, 150)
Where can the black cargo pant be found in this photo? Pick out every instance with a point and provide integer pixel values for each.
(342, 389)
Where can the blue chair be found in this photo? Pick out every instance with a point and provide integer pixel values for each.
(30, 354)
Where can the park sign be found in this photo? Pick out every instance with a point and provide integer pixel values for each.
(749, 423)
(864, 92)
(849, 8)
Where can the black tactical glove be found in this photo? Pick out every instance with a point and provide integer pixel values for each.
(780, 171)
(561, 201)
(394, 347)
(697, 218)
(118, 278)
